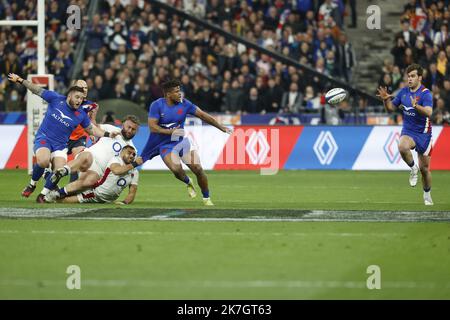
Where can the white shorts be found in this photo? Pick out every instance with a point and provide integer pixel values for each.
(59, 153)
(92, 196)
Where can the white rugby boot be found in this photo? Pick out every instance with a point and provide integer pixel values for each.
(414, 175)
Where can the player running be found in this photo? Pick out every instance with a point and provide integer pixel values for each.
(77, 140)
(416, 102)
(62, 117)
(119, 174)
(93, 161)
(166, 122)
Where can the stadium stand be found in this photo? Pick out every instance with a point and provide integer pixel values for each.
(18, 47)
(423, 38)
(131, 46)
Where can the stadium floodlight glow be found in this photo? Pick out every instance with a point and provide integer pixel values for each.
(40, 24)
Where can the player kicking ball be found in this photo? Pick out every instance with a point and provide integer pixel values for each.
(119, 174)
(166, 122)
(62, 117)
(416, 102)
(92, 162)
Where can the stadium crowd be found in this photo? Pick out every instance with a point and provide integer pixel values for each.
(423, 39)
(18, 47)
(132, 47)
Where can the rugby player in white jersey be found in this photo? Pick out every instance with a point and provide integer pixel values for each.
(119, 174)
(93, 161)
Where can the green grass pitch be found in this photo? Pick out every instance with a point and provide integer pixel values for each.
(294, 235)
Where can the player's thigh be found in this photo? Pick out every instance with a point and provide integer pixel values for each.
(191, 157)
(43, 157)
(406, 143)
(90, 178)
(192, 160)
(84, 160)
(172, 161)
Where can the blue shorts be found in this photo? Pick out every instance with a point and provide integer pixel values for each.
(41, 141)
(151, 149)
(424, 144)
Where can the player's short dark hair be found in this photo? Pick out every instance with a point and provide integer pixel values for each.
(75, 88)
(132, 118)
(129, 147)
(170, 84)
(413, 67)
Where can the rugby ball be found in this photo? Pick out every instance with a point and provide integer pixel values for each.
(335, 95)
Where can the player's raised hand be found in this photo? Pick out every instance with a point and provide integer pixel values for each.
(383, 93)
(413, 102)
(13, 77)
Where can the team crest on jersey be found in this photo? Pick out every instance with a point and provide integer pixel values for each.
(180, 111)
(77, 113)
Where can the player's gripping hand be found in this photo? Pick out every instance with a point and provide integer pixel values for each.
(139, 161)
(178, 132)
(13, 77)
(114, 134)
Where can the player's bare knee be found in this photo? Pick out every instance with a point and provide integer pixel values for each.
(43, 163)
(197, 170)
(424, 169)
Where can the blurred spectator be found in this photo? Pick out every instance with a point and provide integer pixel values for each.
(13, 103)
(2, 102)
(292, 100)
(433, 77)
(234, 98)
(253, 102)
(274, 94)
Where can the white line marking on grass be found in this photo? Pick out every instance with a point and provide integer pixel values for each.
(229, 284)
(203, 233)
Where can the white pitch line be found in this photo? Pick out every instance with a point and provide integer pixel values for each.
(306, 284)
(203, 233)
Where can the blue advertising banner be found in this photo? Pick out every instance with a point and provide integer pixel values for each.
(328, 147)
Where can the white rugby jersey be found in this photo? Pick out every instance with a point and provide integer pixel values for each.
(107, 148)
(109, 187)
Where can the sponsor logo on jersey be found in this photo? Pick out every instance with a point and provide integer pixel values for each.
(61, 118)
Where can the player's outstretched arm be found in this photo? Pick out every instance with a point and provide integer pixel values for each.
(27, 84)
(131, 195)
(210, 120)
(387, 99)
(154, 127)
(119, 170)
(96, 131)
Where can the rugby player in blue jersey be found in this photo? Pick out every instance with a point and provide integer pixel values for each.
(62, 117)
(416, 103)
(166, 122)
